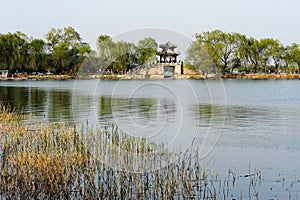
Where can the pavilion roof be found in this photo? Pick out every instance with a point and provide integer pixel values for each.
(168, 52)
(168, 45)
(168, 48)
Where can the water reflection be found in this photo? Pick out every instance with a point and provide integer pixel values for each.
(59, 105)
(37, 101)
(246, 124)
(105, 111)
(252, 126)
(140, 116)
(50, 105)
(15, 97)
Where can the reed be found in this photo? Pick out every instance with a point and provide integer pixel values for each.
(60, 161)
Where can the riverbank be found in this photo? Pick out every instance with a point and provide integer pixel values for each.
(243, 76)
(208, 76)
(53, 77)
(261, 76)
(192, 75)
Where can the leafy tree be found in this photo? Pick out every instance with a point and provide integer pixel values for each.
(277, 51)
(81, 52)
(90, 64)
(239, 57)
(123, 54)
(287, 58)
(225, 49)
(114, 56)
(6, 56)
(254, 51)
(13, 49)
(21, 50)
(146, 50)
(266, 54)
(212, 42)
(66, 48)
(199, 58)
(295, 55)
(37, 54)
(61, 56)
(105, 47)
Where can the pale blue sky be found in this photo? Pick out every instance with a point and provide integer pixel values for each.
(258, 18)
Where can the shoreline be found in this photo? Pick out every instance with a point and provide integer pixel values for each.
(244, 76)
(134, 77)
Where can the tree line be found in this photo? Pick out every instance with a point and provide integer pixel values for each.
(222, 52)
(64, 51)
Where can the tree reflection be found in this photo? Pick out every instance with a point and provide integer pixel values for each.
(16, 97)
(140, 110)
(59, 105)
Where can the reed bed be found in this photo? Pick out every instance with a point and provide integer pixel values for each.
(63, 161)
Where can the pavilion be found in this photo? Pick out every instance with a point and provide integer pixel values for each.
(168, 59)
(167, 66)
(168, 54)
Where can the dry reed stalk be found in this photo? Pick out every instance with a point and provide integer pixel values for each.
(46, 161)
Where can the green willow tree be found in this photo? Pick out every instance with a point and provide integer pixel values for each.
(229, 52)
(13, 51)
(37, 54)
(239, 57)
(199, 58)
(295, 56)
(67, 50)
(120, 56)
(277, 53)
(21, 51)
(123, 54)
(7, 51)
(254, 50)
(105, 46)
(224, 49)
(146, 50)
(287, 58)
(269, 47)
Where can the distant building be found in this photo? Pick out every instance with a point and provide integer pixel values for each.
(3, 73)
(168, 60)
(168, 65)
(168, 54)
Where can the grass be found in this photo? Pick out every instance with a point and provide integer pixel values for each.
(62, 161)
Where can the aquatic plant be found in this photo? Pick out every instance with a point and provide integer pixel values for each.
(58, 160)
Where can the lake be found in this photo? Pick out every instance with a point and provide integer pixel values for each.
(239, 124)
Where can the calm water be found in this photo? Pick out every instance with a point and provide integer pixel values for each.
(237, 123)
